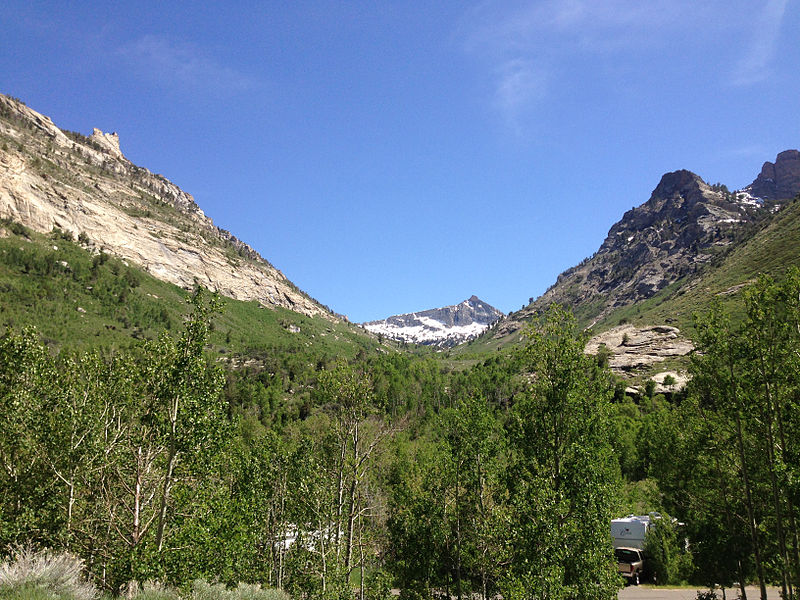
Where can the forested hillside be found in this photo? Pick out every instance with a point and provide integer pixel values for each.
(151, 463)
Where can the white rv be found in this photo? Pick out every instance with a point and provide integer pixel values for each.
(629, 532)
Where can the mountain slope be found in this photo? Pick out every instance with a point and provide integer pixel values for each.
(685, 225)
(53, 179)
(680, 228)
(773, 249)
(444, 327)
(79, 299)
(669, 256)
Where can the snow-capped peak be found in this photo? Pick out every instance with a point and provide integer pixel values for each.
(444, 327)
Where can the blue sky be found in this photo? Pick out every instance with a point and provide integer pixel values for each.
(397, 156)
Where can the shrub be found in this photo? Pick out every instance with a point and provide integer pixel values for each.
(58, 234)
(248, 591)
(378, 585)
(202, 590)
(44, 574)
(153, 590)
(16, 228)
(603, 356)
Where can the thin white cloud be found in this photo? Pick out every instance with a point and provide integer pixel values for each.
(525, 46)
(754, 67)
(520, 83)
(524, 25)
(183, 66)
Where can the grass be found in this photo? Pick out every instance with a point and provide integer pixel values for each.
(151, 590)
(201, 590)
(32, 575)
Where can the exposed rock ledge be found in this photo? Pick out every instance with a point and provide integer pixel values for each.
(634, 348)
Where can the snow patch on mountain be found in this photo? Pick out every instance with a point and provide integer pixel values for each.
(444, 327)
(428, 331)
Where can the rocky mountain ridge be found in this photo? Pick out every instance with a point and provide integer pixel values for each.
(50, 178)
(683, 226)
(443, 327)
(779, 180)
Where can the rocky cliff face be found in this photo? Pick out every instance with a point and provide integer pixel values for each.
(444, 327)
(684, 225)
(779, 180)
(84, 185)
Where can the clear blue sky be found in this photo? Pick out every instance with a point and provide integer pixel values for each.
(397, 156)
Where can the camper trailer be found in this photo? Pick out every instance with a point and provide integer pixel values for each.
(630, 531)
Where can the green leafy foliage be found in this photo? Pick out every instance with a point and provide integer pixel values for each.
(666, 559)
(726, 457)
(564, 476)
(97, 452)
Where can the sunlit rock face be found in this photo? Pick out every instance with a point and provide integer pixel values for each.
(84, 185)
(679, 229)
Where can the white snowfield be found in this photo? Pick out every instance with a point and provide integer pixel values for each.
(427, 330)
(442, 327)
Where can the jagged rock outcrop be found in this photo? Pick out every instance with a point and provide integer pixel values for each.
(779, 180)
(84, 185)
(108, 141)
(443, 327)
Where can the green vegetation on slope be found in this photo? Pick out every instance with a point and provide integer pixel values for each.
(137, 463)
(78, 299)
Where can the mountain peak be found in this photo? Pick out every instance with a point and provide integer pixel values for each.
(678, 190)
(444, 327)
(676, 182)
(779, 180)
(683, 224)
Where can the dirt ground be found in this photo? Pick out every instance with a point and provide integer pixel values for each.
(644, 592)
